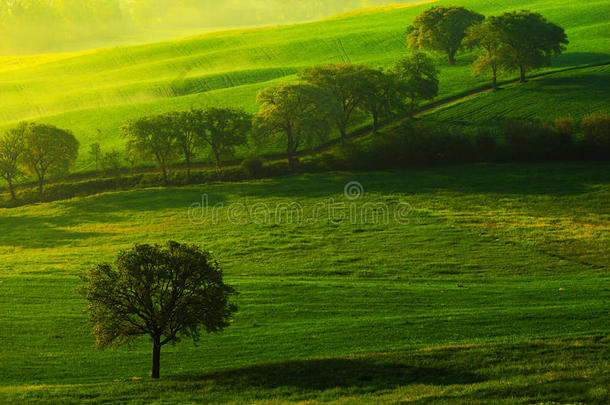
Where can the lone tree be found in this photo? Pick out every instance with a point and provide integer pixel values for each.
(494, 56)
(48, 149)
(222, 129)
(418, 79)
(442, 29)
(530, 39)
(166, 293)
(295, 114)
(153, 136)
(11, 149)
(345, 82)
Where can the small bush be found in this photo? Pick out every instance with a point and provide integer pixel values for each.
(111, 163)
(565, 127)
(596, 135)
(487, 147)
(253, 167)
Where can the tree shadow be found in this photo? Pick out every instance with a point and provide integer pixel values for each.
(41, 232)
(322, 374)
(50, 228)
(552, 179)
(579, 58)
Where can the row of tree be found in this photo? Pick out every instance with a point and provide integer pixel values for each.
(517, 40)
(303, 112)
(295, 114)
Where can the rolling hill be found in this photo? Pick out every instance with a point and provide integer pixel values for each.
(492, 287)
(499, 278)
(573, 93)
(95, 92)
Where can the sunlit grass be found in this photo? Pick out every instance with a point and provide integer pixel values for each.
(93, 94)
(493, 257)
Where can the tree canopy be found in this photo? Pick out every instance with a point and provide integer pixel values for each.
(11, 150)
(295, 113)
(48, 149)
(164, 292)
(347, 83)
(222, 129)
(530, 39)
(153, 136)
(442, 29)
(418, 79)
(494, 54)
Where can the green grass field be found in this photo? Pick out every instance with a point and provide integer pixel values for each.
(575, 94)
(95, 92)
(494, 288)
(490, 285)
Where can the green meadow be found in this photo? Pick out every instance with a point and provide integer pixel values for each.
(470, 284)
(575, 93)
(95, 92)
(492, 285)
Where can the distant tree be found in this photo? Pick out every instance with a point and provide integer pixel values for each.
(221, 129)
(295, 113)
(418, 79)
(380, 94)
(11, 150)
(111, 163)
(153, 136)
(166, 293)
(530, 39)
(131, 158)
(48, 149)
(96, 153)
(345, 82)
(184, 129)
(442, 29)
(494, 53)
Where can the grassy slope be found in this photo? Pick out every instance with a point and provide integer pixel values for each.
(574, 93)
(99, 90)
(491, 254)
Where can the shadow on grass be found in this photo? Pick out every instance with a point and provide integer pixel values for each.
(54, 229)
(569, 59)
(553, 179)
(322, 374)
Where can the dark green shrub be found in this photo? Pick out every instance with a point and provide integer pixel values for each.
(253, 167)
(596, 135)
(487, 147)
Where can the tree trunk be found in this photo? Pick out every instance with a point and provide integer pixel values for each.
(292, 162)
(217, 162)
(156, 365)
(40, 186)
(11, 189)
(343, 134)
(522, 71)
(290, 148)
(375, 123)
(164, 170)
(413, 104)
(187, 157)
(451, 58)
(494, 84)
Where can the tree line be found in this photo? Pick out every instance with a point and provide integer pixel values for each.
(304, 112)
